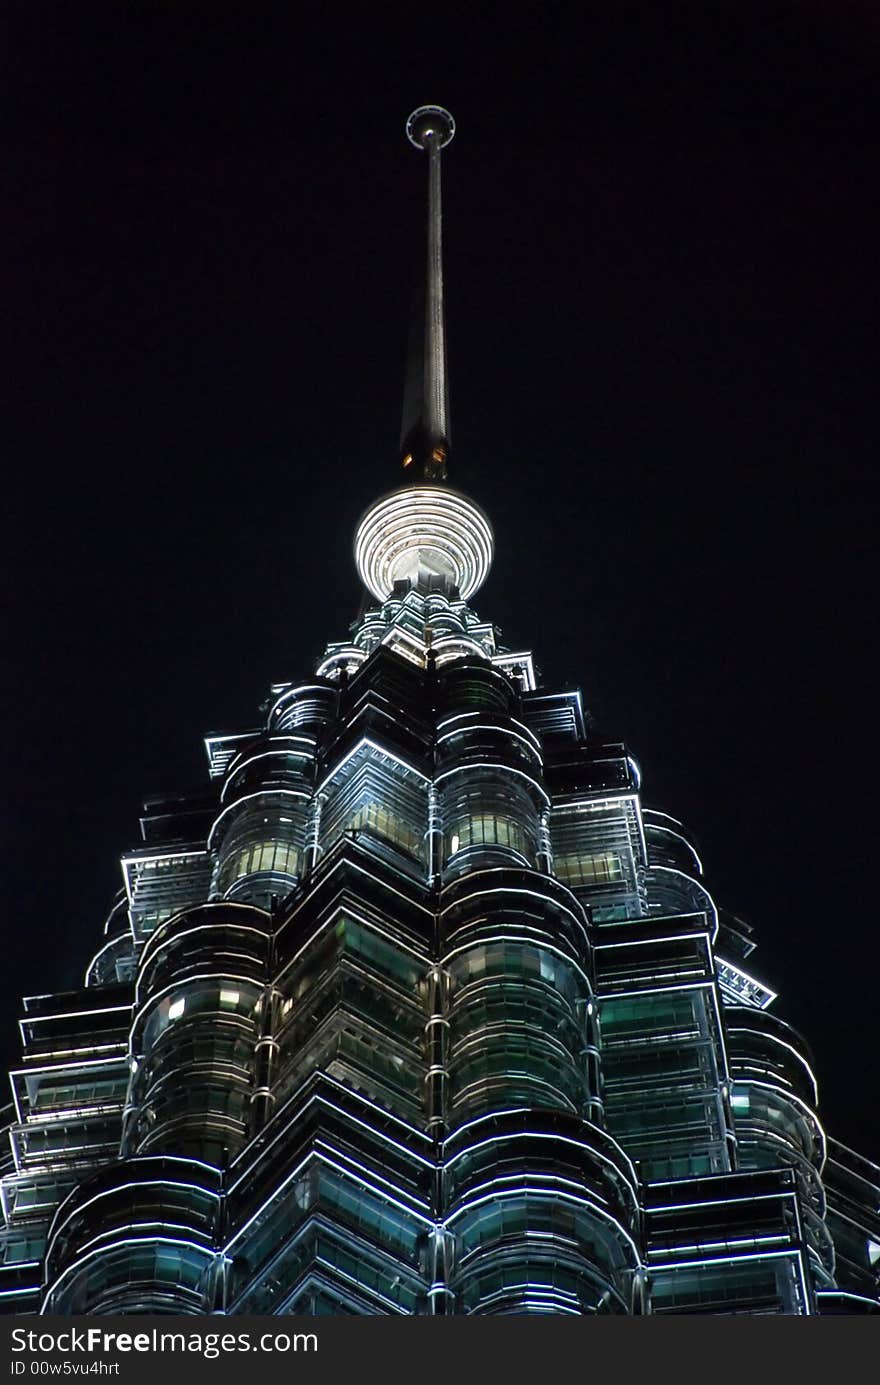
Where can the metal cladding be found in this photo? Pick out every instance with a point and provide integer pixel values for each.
(425, 430)
(416, 1009)
(423, 535)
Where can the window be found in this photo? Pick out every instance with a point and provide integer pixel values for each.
(597, 868)
(487, 829)
(379, 820)
(281, 858)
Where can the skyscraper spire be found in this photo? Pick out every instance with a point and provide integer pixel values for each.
(425, 430)
(425, 533)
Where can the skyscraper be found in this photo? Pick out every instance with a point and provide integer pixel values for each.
(418, 1009)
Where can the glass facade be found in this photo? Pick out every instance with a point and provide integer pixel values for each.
(419, 1009)
(445, 1018)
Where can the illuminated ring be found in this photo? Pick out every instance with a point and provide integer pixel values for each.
(427, 122)
(438, 526)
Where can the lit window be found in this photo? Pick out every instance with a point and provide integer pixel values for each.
(378, 820)
(278, 856)
(176, 1008)
(487, 829)
(599, 868)
(229, 997)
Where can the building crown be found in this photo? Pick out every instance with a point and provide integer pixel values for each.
(426, 534)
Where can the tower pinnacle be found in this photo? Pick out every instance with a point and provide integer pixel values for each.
(425, 533)
(425, 431)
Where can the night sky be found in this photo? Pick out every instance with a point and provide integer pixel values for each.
(661, 240)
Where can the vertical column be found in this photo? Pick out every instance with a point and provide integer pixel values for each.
(437, 1043)
(440, 1297)
(435, 838)
(313, 832)
(545, 854)
(265, 1060)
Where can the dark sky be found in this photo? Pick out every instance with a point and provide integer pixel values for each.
(661, 256)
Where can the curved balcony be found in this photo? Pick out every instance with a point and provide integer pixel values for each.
(763, 1048)
(669, 844)
(493, 1068)
(193, 1042)
(342, 661)
(115, 961)
(191, 1091)
(672, 890)
(773, 1099)
(530, 1143)
(307, 708)
(517, 1275)
(516, 1031)
(474, 687)
(774, 1127)
(490, 815)
(513, 905)
(200, 941)
(260, 842)
(140, 1237)
(451, 649)
(272, 762)
(474, 738)
(544, 1215)
(520, 1031)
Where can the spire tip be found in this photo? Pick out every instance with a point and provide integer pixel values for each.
(430, 121)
